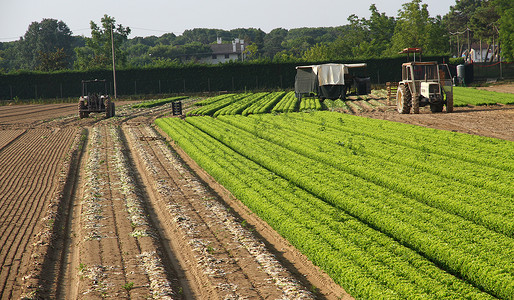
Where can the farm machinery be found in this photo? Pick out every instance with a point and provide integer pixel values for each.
(424, 83)
(92, 100)
(330, 81)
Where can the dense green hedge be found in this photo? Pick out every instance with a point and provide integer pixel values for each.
(186, 79)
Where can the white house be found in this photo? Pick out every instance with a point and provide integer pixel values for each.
(481, 53)
(225, 52)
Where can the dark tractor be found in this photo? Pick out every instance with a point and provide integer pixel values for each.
(93, 100)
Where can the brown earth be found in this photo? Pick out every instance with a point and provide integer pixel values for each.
(98, 208)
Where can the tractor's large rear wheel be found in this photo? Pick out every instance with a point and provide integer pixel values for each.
(403, 99)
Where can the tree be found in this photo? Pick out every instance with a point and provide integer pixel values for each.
(415, 28)
(381, 30)
(318, 52)
(52, 61)
(251, 51)
(460, 14)
(43, 39)
(273, 42)
(505, 9)
(98, 50)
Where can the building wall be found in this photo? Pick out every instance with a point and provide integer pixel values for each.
(220, 58)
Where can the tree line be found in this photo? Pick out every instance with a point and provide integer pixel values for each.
(49, 45)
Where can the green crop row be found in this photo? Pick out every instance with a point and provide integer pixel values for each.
(491, 208)
(265, 104)
(288, 104)
(439, 234)
(366, 262)
(463, 96)
(310, 104)
(213, 99)
(158, 102)
(213, 106)
(333, 104)
(239, 106)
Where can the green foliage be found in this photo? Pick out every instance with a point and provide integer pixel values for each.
(505, 9)
(212, 106)
(240, 105)
(469, 96)
(265, 104)
(52, 61)
(195, 50)
(456, 60)
(47, 45)
(128, 286)
(310, 104)
(372, 202)
(415, 28)
(97, 54)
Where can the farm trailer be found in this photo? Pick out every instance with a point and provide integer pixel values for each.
(330, 81)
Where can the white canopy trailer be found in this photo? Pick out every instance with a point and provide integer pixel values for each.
(326, 80)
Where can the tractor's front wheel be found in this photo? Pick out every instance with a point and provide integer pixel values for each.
(449, 103)
(415, 104)
(403, 98)
(112, 109)
(81, 107)
(108, 107)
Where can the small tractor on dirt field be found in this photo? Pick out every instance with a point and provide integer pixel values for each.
(94, 101)
(424, 83)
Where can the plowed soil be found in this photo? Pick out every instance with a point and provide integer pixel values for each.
(108, 208)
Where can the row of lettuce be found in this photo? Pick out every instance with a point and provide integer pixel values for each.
(259, 103)
(388, 210)
(279, 102)
(471, 96)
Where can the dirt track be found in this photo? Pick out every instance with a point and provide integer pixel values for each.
(104, 208)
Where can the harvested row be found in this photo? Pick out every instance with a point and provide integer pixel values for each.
(29, 179)
(233, 263)
(116, 247)
(351, 252)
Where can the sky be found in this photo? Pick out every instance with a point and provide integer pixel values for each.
(156, 17)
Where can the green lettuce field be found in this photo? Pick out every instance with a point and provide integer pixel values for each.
(388, 210)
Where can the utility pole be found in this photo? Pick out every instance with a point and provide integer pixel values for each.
(113, 63)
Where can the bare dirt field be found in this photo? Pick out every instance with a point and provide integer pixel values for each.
(105, 208)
